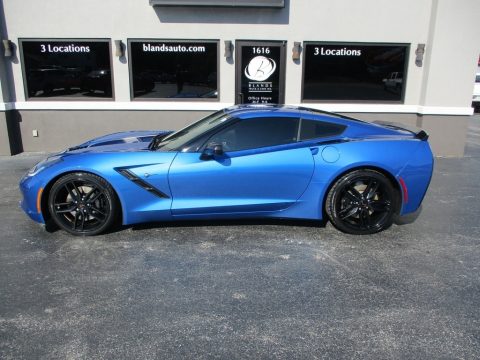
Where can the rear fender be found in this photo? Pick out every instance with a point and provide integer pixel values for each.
(416, 175)
(387, 156)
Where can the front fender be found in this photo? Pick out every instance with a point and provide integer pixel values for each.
(138, 205)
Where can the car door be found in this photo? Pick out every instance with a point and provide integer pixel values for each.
(263, 169)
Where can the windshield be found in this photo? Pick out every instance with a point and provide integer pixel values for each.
(180, 138)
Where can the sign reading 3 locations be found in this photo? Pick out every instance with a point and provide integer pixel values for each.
(354, 72)
(260, 70)
(67, 68)
(70, 48)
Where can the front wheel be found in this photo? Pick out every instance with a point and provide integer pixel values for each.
(361, 202)
(83, 204)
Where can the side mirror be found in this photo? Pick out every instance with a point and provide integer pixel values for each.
(212, 150)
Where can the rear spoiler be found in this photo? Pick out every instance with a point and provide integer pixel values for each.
(417, 132)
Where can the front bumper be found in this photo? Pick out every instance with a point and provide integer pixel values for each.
(30, 187)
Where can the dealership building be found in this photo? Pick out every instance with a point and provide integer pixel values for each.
(73, 70)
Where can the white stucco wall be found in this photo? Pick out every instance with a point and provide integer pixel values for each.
(447, 27)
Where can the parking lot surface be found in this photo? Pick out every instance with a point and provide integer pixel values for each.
(237, 290)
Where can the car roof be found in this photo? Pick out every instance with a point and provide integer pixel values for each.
(250, 110)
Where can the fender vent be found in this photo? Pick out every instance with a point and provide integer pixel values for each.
(143, 184)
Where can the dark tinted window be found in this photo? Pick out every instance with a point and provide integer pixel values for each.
(181, 70)
(311, 129)
(72, 69)
(354, 72)
(257, 133)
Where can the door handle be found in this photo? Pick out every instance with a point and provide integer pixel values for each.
(314, 150)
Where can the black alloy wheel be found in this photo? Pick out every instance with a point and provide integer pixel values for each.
(83, 204)
(361, 202)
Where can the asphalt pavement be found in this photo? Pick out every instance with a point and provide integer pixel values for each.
(247, 290)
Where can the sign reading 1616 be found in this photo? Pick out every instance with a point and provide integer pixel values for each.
(261, 50)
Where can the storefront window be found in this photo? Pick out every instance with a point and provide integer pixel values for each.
(67, 68)
(174, 69)
(354, 72)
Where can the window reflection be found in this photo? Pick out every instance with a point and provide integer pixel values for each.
(71, 69)
(354, 72)
(175, 70)
(257, 133)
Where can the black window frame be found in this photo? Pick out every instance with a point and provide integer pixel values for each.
(63, 98)
(339, 43)
(239, 66)
(159, 99)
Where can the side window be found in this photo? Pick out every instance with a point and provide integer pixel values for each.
(312, 129)
(257, 133)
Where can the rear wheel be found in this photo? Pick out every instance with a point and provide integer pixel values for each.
(361, 202)
(83, 204)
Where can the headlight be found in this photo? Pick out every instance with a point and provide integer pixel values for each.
(42, 165)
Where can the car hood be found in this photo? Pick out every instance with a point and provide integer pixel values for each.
(118, 142)
(122, 147)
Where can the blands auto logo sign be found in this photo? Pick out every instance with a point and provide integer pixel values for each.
(260, 68)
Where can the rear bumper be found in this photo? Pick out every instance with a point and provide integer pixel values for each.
(408, 218)
(416, 176)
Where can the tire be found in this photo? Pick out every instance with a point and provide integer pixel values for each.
(83, 204)
(361, 202)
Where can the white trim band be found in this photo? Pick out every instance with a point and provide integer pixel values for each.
(213, 106)
(6, 106)
(116, 105)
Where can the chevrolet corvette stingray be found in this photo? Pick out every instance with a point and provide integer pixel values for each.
(246, 161)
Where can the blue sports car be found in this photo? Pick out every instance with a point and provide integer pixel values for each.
(241, 162)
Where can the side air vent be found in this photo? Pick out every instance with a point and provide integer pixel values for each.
(143, 184)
